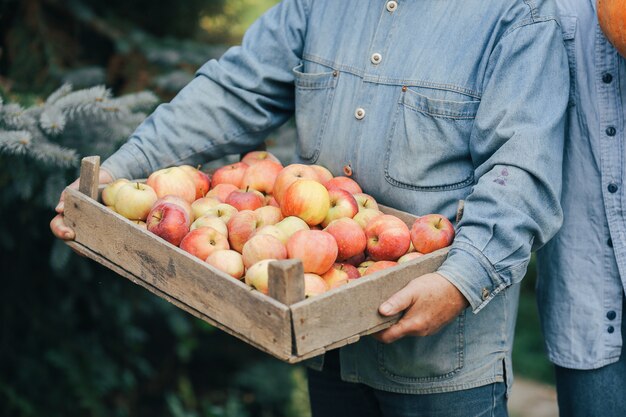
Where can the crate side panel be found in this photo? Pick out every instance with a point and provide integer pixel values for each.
(179, 275)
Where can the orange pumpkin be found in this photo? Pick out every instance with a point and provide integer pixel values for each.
(612, 18)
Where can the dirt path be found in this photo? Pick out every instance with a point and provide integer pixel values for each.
(532, 399)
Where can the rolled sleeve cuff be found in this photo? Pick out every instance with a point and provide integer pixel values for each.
(472, 273)
(128, 162)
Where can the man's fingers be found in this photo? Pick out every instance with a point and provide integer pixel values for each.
(392, 333)
(398, 302)
(60, 229)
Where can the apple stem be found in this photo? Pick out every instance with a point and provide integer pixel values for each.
(438, 223)
(247, 188)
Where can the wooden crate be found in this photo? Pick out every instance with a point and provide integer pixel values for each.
(283, 324)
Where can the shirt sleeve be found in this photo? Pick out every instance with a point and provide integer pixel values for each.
(517, 149)
(231, 104)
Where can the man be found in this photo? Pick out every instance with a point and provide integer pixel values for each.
(582, 271)
(423, 103)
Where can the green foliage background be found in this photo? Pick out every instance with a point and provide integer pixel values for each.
(75, 339)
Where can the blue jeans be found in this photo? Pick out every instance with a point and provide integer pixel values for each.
(596, 392)
(332, 397)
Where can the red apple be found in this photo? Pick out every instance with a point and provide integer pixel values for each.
(254, 157)
(431, 232)
(268, 215)
(201, 180)
(364, 216)
(241, 227)
(306, 199)
(221, 191)
(315, 248)
(388, 238)
(363, 266)
(350, 238)
(290, 174)
(168, 221)
(323, 174)
(227, 261)
(261, 176)
(204, 241)
(379, 266)
(271, 201)
(210, 221)
(230, 174)
(356, 260)
(409, 257)
(110, 191)
(174, 181)
(340, 274)
(314, 285)
(134, 200)
(344, 183)
(261, 247)
(178, 201)
(202, 205)
(342, 205)
(365, 201)
(246, 199)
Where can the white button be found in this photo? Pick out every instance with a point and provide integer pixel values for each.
(376, 58)
(392, 5)
(359, 113)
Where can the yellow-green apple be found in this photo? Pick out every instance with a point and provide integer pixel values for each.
(344, 183)
(315, 248)
(210, 221)
(350, 238)
(247, 199)
(110, 191)
(323, 174)
(364, 216)
(221, 191)
(257, 276)
(306, 199)
(168, 221)
(379, 266)
(261, 176)
(260, 247)
(411, 248)
(273, 231)
(201, 180)
(174, 181)
(241, 227)
(202, 205)
(363, 266)
(365, 201)
(335, 277)
(269, 215)
(228, 261)
(388, 238)
(291, 224)
(134, 200)
(223, 211)
(431, 232)
(314, 285)
(409, 257)
(342, 205)
(229, 174)
(290, 174)
(140, 223)
(204, 241)
(178, 201)
(254, 157)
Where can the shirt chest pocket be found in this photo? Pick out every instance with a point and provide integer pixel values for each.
(428, 145)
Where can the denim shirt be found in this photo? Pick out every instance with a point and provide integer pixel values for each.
(582, 271)
(426, 103)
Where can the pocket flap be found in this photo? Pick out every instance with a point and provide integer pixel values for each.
(568, 27)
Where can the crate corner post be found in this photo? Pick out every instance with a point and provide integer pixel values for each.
(89, 176)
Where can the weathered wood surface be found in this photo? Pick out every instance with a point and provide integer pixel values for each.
(286, 281)
(333, 318)
(407, 218)
(238, 309)
(89, 176)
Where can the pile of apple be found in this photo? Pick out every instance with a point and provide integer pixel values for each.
(255, 211)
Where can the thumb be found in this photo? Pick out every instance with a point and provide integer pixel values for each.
(398, 302)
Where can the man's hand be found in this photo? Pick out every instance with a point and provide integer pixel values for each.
(429, 301)
(57, 225)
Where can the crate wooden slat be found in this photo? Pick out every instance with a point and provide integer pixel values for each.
(285, 326)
